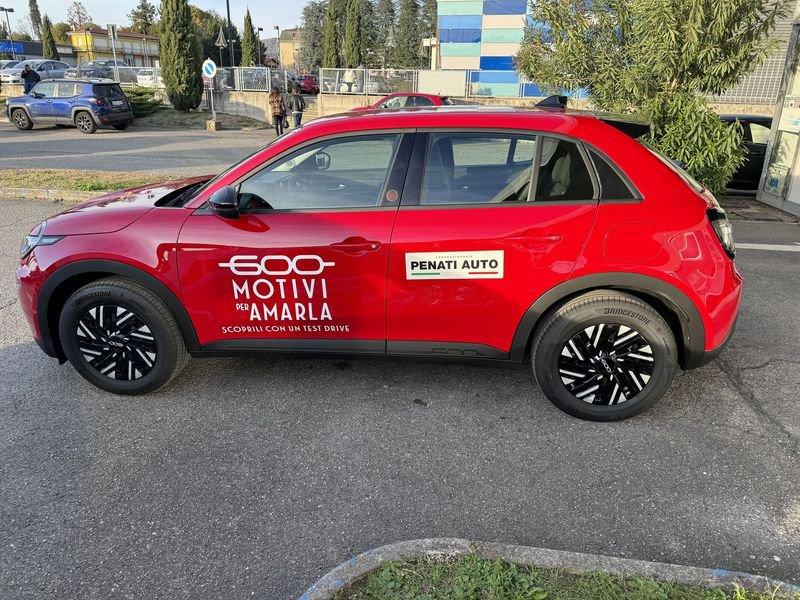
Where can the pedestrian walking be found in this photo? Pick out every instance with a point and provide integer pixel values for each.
(296, 105)
(31, 78)
(278, 109)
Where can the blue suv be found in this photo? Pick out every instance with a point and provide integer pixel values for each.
(85, 104)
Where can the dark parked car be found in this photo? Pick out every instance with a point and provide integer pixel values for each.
(103, 69)
(755, 129)
(86, 105)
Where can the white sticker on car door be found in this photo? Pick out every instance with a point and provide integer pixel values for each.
(484, 264)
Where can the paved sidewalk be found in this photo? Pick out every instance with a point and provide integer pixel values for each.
(747, 208)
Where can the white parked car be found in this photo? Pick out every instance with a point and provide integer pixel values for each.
(145, 77)
(47, 69)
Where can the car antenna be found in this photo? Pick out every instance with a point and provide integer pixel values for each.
(555, 101)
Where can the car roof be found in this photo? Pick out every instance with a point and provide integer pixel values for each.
(84, 80)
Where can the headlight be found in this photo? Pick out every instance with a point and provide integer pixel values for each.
(723, 229)
(37, 238)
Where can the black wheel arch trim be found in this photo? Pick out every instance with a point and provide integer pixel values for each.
(693, 335)
(50, 343)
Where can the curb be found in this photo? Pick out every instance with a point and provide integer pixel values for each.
(573, 562)
(49, 195)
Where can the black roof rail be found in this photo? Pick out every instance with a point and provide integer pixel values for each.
(554, 101)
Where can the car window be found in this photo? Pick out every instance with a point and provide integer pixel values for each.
(419, 101)
(42, 66)
(476, 168)
(339, 173)
(396, 102)
(759, 133)
(66, 89)
(563, 174)
(110, 91)
(612, 187)
(46, 89)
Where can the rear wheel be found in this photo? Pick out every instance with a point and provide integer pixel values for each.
(604, 356)
(121, 126)
(85, 123)
(21, 120)
(121, 337)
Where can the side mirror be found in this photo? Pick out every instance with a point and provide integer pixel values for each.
(225, 202)
(323, 160)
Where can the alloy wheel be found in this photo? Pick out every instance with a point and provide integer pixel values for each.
(84, 122)
(606, 364)
(116, 342)
(20, 119)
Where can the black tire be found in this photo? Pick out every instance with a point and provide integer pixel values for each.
(121, 126)
(21, 119)
(118, 322)
(611, 340)
(85, 122)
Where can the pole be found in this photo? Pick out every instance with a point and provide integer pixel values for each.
(230, 33)
(114, 51)
(10, 37)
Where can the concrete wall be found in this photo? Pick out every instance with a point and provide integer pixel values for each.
(9, 90)
(244, 104)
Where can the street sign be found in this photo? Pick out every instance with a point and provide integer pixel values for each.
(112, 31)
(209, 68)
(221, 42)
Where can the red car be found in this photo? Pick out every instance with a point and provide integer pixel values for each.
(487, 235)
(309, 84)
(406, 100)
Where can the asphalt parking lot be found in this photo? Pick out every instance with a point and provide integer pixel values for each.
(180, 152)
(252, 477)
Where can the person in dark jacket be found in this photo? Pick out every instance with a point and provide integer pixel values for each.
(278, 109)
(30, 77)
(296, 105)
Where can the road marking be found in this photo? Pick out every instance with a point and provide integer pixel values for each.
(774, 247)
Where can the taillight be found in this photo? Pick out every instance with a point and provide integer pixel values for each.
(723, 229)
(99, 101)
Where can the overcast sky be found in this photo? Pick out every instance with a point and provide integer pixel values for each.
(284, 13)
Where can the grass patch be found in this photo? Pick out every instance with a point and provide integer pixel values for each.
(169, 118)
(474, 578)
(77, 180)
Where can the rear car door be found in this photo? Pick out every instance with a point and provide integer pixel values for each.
(304, 266)
(489, 221)
(64, 100)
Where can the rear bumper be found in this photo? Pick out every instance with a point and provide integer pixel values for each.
(115, 117)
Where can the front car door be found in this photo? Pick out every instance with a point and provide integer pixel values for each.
(304, 266)
(480, 235)
(40, 105)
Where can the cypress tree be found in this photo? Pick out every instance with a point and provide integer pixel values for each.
(48, 41)
(250, 45)
(352, 34)
(36, 18)
(330, 39)
(180, 56)
(409, 38)
(384, 32)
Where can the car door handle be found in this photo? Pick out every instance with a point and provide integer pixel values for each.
(355, 245)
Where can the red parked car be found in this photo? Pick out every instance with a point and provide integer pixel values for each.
(488, 235)
(406, 100)
(309, 84)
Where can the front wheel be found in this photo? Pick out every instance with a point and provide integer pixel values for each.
(121, 337)
(85, 123)
(21, 120)
(604, 356)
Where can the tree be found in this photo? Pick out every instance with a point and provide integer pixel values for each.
(143, 17)
(408, 36)
(352, 34)
(313, 22)
(369, 36)
(429, 18)
(250, 43)
(207, 24)
(48, 41)
(180, 55)
(660, 59)
(77, 16)
(60, 32)
(330, 39)
(36, 18)
(384, 31)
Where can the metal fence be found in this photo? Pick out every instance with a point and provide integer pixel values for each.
(759, 87)
(367, 81)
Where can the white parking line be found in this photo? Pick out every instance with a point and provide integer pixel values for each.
(774, 247)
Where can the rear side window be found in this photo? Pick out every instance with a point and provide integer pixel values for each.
(612, 187)
(111, 92)
(477, 168)
(419, 101)
(563, 174)
(66, 89)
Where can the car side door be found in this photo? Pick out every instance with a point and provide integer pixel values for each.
(64, 100)
(304, 265)
(40, 105)
(756, 144)
(489, 221)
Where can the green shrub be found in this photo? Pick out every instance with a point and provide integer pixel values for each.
(142, 100)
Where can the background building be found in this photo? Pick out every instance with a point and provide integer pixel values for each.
(26, 50)
(136, 49)
(289, 47)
